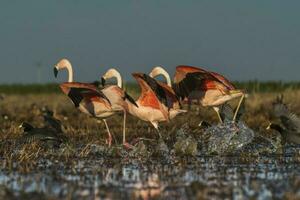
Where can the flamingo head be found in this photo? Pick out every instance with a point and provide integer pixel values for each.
(156, 71)
(63, 63)
(111, 73)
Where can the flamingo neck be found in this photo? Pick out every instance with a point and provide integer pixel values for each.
(119, 79)
(161, 71)
(69, 68)
(167, 76)
(113, 73)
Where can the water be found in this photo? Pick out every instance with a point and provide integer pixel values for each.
(209, 177)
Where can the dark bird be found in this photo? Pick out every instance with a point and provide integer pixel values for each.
(290, 129)
(287, 135)
(50, 120)
(289, 120)
(46, 135)
(226, 114)
(204, 124)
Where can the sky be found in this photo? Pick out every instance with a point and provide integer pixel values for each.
(243, 40)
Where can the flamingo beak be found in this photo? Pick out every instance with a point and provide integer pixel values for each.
(102, 81)
(55, 72)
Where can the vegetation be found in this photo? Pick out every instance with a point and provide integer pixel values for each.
(86, 135)
(249, 86)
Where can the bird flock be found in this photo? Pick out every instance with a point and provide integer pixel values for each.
(158, 101)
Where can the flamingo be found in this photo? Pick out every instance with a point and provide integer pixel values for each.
(117, 96)
(210, 88)
(86, 97)
(158, 70)
(156, 102)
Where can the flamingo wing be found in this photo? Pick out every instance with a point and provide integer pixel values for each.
(79, 91)
(191, 82)
(188, 79)
(171, 96)
(182, 70)
(223, 80)
(65, 87)
(129, 98)
(164, 93)
(152, 94)
(78, 94)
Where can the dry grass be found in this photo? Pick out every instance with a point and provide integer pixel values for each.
(84, 131)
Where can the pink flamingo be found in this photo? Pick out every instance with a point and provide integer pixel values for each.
(156, 103)
(86, 97)
(117, 97)
(210, 88)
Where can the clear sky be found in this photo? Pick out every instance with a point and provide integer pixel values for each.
(244, 40)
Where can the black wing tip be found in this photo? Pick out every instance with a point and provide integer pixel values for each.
(130, 99)
(75, 96)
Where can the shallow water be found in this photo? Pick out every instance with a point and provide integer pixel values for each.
(208, 177)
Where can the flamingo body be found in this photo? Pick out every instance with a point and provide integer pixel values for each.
(156, 102)
(118, 98)
(209, 88)
(86, 97)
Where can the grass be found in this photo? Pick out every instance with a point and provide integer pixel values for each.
(49, 88)
(85, 132)
(24, 103)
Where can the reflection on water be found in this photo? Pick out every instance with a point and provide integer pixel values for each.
(207, 177)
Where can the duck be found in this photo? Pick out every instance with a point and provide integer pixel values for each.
(45, 134)
(290, 128)
(286, 135)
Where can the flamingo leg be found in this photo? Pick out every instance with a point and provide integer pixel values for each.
(238, 107)
(109, 139)
(155, 124)
(126, 144)
(124, 128)
(218, 114)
